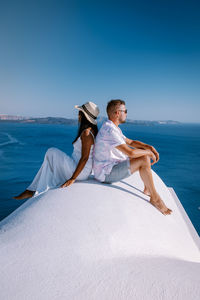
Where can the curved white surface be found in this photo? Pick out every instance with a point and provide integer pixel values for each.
(98, 241)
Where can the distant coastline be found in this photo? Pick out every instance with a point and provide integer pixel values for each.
(66, 121)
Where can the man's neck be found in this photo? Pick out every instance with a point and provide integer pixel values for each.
(116, 122)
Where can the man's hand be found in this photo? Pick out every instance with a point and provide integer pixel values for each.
(140, 145)
(67, 183)
(152, 157)
(155, 153)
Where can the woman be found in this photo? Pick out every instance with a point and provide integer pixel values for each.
(58, 167)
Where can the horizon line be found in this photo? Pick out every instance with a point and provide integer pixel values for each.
(101, 116)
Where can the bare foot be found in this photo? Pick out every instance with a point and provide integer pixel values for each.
(146, 191)
(24, 195)
(160, 205)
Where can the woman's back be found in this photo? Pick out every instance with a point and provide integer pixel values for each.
(77, 152)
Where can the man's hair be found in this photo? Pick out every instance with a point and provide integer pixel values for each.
(113, 104)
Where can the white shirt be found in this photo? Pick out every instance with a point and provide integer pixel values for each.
(105, 153)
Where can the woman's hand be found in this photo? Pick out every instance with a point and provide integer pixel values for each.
(67, 183)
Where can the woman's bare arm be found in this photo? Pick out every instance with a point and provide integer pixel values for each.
(87, 142)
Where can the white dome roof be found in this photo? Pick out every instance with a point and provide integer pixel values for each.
(98, 241)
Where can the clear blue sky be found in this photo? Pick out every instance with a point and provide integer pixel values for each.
(55, 54)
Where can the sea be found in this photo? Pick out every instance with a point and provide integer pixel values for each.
(23, 146)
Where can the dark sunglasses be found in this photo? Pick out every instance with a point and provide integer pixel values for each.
(123, 110)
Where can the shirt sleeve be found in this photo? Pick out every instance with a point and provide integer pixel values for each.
(116, 139)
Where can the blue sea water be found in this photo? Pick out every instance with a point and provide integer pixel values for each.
(23, 146)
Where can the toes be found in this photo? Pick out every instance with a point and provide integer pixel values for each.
(161, 207)
(168, 211)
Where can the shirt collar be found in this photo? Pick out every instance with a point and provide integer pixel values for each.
(113, 124)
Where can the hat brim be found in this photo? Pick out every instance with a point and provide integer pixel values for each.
(93, 121)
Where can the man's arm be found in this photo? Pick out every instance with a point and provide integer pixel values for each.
(140, 145)
(135, 153)
(136, 144)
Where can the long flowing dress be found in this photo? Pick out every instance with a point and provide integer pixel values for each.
(58, 167)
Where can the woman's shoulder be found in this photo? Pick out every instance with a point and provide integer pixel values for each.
(88, 132)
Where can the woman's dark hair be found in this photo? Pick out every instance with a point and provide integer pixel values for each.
(84, 124)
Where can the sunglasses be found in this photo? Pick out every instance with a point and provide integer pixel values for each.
(123, 110)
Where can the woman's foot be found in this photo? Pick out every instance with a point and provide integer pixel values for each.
(160, 205)
(24, 195)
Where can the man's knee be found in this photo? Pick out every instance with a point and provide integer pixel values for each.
(143, 161)
(146, 161)
(140, 162)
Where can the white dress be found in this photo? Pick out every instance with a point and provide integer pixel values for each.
(58, 167)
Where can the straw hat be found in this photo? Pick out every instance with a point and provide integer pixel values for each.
(90, 111)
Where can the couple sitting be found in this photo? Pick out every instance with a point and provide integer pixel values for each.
(114, 158)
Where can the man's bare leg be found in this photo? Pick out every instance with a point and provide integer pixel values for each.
(24, 195)
(146, 191)
(143, 164)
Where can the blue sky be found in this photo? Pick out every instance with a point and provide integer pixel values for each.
(56, 54)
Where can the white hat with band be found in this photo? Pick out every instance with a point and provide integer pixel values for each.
(90, 111)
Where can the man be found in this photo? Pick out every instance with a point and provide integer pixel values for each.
(115, 158)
